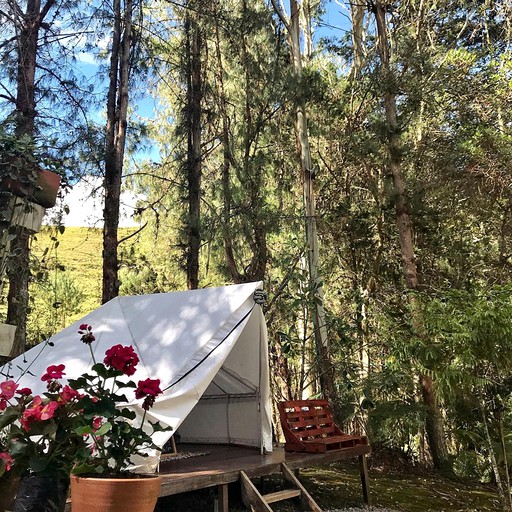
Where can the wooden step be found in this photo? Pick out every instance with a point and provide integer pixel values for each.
(286, 494)
(256, 502)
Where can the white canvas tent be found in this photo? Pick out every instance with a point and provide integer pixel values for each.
(208, 347)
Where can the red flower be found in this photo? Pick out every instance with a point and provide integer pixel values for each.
(3, 404)
(87, 335)
(96, 423)
(7, 460)
(67, 394)
(54, 371)
(7, 389)
(24, 391)
(148, 389)
(121, 358)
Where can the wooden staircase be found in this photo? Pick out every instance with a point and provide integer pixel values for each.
(257, 502)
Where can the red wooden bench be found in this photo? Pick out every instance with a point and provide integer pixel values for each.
(308, 426)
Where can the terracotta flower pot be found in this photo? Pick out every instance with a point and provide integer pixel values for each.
(93, 494)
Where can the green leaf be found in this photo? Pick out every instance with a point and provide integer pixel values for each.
(38, 463)
(106, 427)
(127, 413)
(105, 407)
(7, 417)
(101, 370)
(81, 469)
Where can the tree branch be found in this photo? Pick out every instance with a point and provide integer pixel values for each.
(282, 16)
(7, 96)
(44, 11)
(133, 234)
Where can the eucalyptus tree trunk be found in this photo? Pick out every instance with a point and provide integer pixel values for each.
(357, 12)
(194, 43)
(117, 112)
(434, 421)
(27, 27)
(301, 127)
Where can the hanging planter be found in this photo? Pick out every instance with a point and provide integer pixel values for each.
(43, 190)
(96, 494)
(7, 333)
(27, 215)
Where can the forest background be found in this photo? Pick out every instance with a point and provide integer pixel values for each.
(360, 167)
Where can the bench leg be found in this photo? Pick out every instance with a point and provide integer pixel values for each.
(363, 470)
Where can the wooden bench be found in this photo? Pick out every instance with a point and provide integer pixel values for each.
(308, 426)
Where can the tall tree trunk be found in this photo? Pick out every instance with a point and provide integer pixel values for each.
(248, 175)
(227, 158)
(117, 112)
(27, 27)
(434, 420)
(194, 156)
(301, 126)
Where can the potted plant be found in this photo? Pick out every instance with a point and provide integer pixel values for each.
(85, 428)
(102, 482)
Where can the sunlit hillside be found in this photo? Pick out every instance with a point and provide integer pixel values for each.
(67, 284)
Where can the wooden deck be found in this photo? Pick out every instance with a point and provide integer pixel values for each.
(222, 465)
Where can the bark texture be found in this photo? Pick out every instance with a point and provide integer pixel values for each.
(194, 154)
(117, 112)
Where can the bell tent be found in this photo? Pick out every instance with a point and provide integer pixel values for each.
(208, 347)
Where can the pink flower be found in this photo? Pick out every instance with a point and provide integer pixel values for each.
(54, 371)
(7, 389)
(32, 413)
(7, 460)
(121, 358)
(48, 411)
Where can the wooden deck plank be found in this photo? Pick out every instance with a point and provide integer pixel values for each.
(223, 464)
